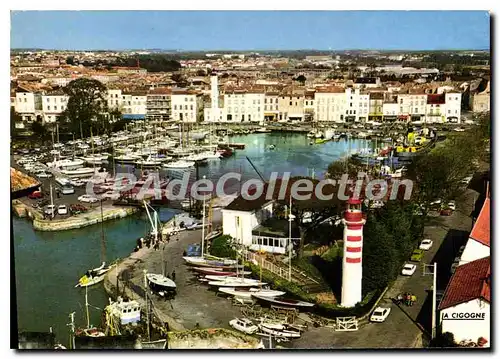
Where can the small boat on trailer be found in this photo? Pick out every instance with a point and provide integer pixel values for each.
(160, 284)
(216, 272)
(279, 330)
(204, 262)
(248, 292)
(284, 302)
(236, 282)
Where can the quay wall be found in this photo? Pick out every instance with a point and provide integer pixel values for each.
(82, 220)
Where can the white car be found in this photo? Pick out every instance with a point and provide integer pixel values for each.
(87, 198)
(451, 205)
(426, 244)
(111, 195)
(380, 314)
(62, 209)
(44, 175)
(409, 269)
(50, 209)
(436, 202)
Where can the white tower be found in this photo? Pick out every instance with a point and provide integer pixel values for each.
(214, 91)
(352, 264)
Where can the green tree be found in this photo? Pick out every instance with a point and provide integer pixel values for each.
(39, 130)
(222, 247)
(380, 256)
(87, 106)
(14, 119)
(301, 79)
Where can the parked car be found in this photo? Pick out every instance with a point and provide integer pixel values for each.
(436, 204)
(62, 209)
(409, 269)
(380, 314)
(87, 198)
(35, 195)
(417, 255)
(193, 226)
(425, 245)
(50, 210)
(44, 175)
(77, 209)
(111, 195)
(451, 205)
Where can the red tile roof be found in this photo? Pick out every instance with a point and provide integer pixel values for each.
(436, 99)
(481, 230)
(470, 281)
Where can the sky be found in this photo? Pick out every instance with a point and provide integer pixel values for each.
(250, 30)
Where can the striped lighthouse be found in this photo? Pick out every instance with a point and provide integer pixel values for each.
(352, 264)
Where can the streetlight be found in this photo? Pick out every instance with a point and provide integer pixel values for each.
(433, 272)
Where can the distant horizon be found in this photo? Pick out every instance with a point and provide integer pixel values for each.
(202, 31)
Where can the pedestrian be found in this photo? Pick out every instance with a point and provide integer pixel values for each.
(173, 275)
(413, 299)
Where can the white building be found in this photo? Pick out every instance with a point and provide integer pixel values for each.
(464, 309)
(478, 245)
(390, 111)
(242, 220)
(244, 106)
(29, 105)
(329, 105)
(185, 105)
(53, 104)
(134, 103)
(453, 105)
(115, 99)
(412, 105)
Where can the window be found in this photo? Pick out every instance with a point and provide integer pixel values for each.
(295, 103)
(401, 109)
(55, 108)
(242, 118)
(191, 107)
(48, 99)
(350, 105)
(449, 112)
(258, 109)
(276, 108)
(48, 108)
(290, 103)
(401, 101)
(249, 117)
(416, 110)
(25, 100)
(185, 99)
(265, 100)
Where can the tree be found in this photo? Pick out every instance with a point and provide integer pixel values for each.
(380, 257)
(222, 247)
(201, 73)
(70, 60)
(39, 130)
(14, 119)
(87, 106)
(301, 79)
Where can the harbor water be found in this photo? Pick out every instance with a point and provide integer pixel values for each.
(48, 264)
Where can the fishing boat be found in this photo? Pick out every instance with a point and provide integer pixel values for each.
(284, 302)
(244, 325)
(149, 162)
(279, 330)
(211, 155)
(248, 292)
(179, 164)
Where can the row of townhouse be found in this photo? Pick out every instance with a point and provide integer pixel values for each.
(332, 104)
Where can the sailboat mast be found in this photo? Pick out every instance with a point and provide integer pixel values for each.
(87, 306)
(203, 225)
(72, 331)
(103, 242)
(147, 301)
(290, 241)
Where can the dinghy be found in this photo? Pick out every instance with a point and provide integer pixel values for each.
(284, 302)
(248, 292)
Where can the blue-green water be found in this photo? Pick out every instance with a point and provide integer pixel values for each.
(48, 264)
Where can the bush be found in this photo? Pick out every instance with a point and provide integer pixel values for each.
(222, 247)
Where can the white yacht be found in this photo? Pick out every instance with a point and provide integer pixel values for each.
(179, 164)
(67, 164)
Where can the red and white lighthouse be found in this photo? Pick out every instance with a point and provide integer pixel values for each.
(352, 264)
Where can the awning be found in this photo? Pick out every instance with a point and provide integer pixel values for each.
(128, 116)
